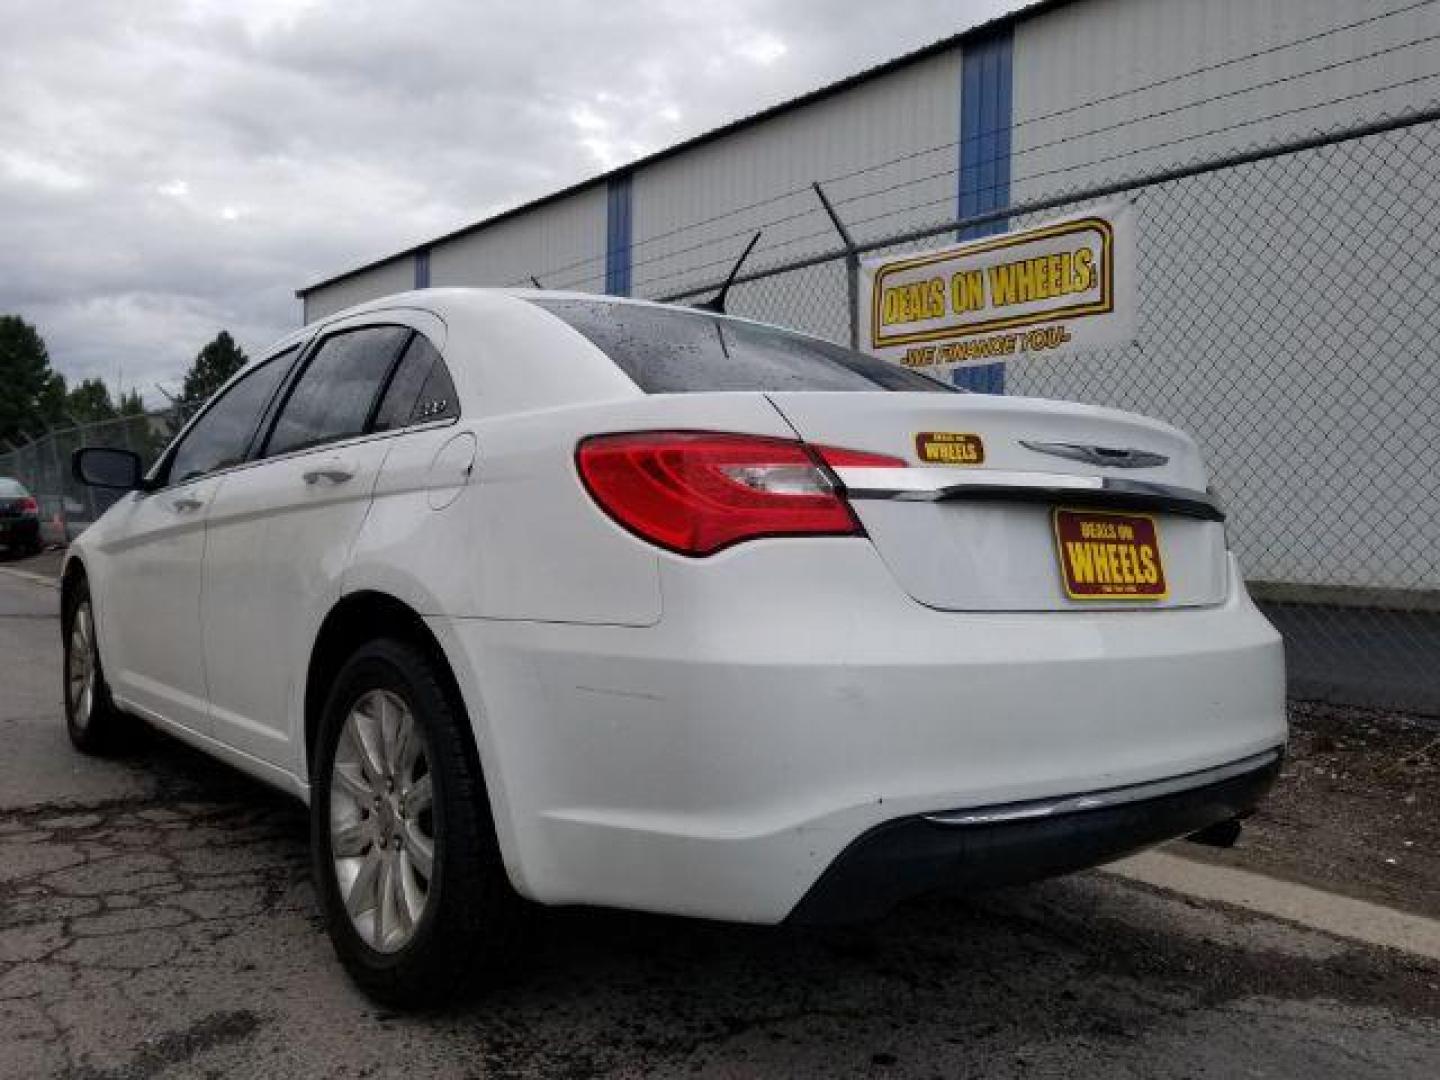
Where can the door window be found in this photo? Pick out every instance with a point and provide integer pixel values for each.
(419, 391)
(221, 437)
(333, 396)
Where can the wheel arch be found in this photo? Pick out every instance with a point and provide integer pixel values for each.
(364, 616)
(71, 575)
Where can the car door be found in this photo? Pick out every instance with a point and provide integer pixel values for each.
(150, 552)
(280, 532)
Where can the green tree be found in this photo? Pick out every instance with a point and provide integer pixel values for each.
(130, 404)
(90, 401)
(32, 396)
(213, 366)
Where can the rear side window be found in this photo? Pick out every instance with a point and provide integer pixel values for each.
(221, 437)
(419, 391)
(334, 394)
(673, 351)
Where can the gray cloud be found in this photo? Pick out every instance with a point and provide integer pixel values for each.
(171, 168)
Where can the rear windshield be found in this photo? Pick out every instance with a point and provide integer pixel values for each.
(673, 351)
(11, 489)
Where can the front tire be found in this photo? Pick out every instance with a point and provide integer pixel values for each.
(94, 724)
(406, 862)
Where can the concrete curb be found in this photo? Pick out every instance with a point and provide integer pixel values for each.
(1340, 916)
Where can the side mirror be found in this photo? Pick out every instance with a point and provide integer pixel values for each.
(105, 467)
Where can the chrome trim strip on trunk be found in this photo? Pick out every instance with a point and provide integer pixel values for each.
(1115, 457)
(1095, 800)
(1000, 485)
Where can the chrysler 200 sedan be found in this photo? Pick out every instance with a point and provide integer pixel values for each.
(539, 598)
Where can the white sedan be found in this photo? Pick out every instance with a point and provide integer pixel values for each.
(537, 597)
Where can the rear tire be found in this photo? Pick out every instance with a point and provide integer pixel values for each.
(95, 725)
(406, 864)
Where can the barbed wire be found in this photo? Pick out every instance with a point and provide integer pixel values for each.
(980, 191)
(1159, 114)
(950, 198)
(1133, 183)
(595, 262)
(1090, 163)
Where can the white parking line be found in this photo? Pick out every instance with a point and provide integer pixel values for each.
(1341, 916)
(37, 579)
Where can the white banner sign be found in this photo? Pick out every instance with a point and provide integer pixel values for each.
(1064, 286)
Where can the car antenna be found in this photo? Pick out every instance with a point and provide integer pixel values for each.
(717, 302)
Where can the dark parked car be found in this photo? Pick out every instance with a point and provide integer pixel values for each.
(19, 518)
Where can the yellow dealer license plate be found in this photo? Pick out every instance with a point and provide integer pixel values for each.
(1109, 556)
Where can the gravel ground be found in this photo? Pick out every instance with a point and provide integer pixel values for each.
(1356, 809)
(176, 935)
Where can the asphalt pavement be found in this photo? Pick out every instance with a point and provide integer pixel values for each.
(156, 921)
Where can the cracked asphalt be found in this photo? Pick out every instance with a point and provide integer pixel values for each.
(156, 921)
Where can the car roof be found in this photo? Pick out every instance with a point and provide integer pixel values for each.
(457, 299)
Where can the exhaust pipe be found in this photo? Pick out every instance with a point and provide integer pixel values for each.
(1222, 834)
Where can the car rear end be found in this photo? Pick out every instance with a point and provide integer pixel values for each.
(907, 639)
(19, 517)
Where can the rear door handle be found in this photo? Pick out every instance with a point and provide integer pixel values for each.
(187, 503)
(336, 472)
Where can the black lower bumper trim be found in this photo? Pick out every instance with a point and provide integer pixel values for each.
(912, 856)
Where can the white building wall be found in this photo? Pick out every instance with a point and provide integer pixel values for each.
(563, 243)
(396, 275)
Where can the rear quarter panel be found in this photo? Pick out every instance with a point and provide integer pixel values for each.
(514, 535)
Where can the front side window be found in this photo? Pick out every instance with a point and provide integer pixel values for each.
(674, 351)
(333, 396)
(221, 437)
(419, 391)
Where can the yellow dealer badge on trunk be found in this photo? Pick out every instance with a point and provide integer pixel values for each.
(950, 448)
(1109, 556)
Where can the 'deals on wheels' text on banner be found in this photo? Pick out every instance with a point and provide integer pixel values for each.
(1064, 286)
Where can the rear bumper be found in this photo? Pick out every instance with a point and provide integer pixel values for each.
(1020, 842)
(718, 763)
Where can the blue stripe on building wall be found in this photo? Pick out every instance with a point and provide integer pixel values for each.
(422, 269)
(617, 237)
(985, 116)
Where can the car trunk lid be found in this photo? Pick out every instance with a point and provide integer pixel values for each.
(1014, 504)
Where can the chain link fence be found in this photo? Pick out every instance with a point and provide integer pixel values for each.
(1289, 313)
(43, 466)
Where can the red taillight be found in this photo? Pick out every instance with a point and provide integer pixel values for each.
(696, 492)
(838, 458)
(28, 505)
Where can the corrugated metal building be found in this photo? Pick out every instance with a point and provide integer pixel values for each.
(1056, 97)
(1060, 94)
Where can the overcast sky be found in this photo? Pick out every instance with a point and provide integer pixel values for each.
(174, 167)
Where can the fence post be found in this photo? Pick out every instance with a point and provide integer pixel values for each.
(852, 265)
(89, 492)
(59, 486)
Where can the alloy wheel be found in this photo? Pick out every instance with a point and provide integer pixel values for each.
(80, 666)
(382, 828)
